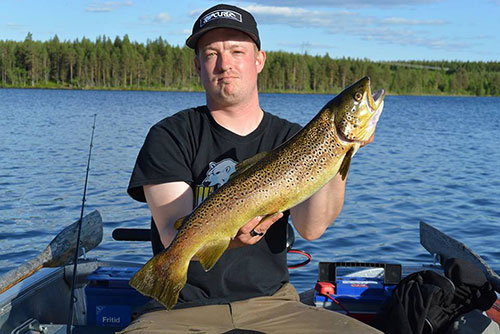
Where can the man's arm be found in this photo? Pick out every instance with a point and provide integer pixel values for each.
(173, 200)
(167, 203)
(312, 217)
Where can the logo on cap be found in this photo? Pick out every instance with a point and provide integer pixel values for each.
(220, 14)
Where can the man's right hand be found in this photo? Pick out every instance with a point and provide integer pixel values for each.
(259, 225)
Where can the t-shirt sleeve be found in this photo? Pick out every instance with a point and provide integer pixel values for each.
(284, 130)
(164, 157)
(292, 130)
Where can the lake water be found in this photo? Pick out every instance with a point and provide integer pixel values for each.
(435, 159)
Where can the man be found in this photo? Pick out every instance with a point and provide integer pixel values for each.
(190, 154)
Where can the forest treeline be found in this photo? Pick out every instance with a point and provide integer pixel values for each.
(156, 65)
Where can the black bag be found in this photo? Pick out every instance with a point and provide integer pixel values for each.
(427, 302)
(472, 289)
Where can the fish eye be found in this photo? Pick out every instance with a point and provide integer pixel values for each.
(358, 96)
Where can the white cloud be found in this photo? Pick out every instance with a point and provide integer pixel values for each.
(95, 9)
(410, 38)
(298, 17)
(347, 3)
(275, 10)
(351, 23)
(162, 18)
(404, 21)
(304, 46)
(15, 26)
(108, 6)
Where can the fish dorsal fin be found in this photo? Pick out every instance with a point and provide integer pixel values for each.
(346, 163)
(178, 223)
(211, 252)
(246, 164)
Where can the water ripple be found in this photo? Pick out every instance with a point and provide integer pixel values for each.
(424, 165)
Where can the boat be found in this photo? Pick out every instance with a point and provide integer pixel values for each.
(36, 297)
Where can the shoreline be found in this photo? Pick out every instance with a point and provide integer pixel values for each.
(196, 90)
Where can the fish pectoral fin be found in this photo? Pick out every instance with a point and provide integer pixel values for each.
(211, 252)
(178, 223)
(246, 164)
(346, 163)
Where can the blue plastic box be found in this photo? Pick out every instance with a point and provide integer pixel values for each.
(360, 296)
(359, 290)
(360, 293)
(362, 288)
(111, 301)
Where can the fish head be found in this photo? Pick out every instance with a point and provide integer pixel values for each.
(357, 111)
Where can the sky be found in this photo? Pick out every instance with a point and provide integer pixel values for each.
(379, 30)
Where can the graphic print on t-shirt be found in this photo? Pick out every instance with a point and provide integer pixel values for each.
(218, 173)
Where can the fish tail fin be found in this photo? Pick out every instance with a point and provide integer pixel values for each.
(211, 252)
(162, 278)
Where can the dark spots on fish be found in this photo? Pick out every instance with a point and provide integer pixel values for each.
(306, 161)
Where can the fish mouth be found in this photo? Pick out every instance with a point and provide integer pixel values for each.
(376, 105)
(366, 112)
(376, 100)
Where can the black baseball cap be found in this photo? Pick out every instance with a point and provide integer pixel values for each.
(224, 16)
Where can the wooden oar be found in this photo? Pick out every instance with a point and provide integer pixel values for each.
(437, 242)
(59, 251)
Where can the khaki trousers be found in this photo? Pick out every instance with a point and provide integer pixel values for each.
(281, 313)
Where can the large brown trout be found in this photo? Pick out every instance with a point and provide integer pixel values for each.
(264, 185)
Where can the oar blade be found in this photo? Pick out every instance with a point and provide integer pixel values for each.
(437, 242)
(60, 250)
(63, 246)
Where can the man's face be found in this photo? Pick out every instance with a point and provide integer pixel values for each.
(228, 62)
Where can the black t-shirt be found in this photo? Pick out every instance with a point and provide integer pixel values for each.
(191, 146)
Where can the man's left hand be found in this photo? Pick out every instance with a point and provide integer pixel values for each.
(368, 141)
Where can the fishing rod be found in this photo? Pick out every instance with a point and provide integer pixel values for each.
(72, 300)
